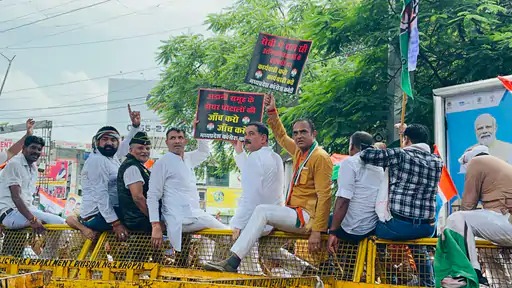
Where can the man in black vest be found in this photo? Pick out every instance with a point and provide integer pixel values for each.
(132, 185)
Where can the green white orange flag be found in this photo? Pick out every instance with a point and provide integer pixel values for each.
(409, 42)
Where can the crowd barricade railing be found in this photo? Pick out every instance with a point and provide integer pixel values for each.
(280, 259)
(68, 255)
(410, 263)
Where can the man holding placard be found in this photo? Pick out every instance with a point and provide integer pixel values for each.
(309, 196)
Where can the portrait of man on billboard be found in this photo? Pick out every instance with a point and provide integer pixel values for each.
(486, 128)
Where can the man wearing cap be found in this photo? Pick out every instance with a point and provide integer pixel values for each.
(133, 184)
(488, 180)
(100, 203)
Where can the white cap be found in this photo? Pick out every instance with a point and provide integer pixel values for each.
(470, 154)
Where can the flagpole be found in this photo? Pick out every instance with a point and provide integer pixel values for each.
(402, 118)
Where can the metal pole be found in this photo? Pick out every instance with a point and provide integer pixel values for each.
(6, 73)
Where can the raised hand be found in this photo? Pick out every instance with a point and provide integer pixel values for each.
(238, 145)
(134, 117)
(270, 102)
(30, 126)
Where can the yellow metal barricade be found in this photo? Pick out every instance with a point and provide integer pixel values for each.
(405, 263)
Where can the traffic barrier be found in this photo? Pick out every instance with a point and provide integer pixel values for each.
(278, 260)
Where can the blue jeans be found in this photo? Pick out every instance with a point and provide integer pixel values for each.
(399, 230)
(98, 223)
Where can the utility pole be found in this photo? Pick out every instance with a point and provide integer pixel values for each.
(6, 73)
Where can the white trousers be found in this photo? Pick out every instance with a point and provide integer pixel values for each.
(486, 224)
(280, 217)
(207, 246)
(15, 220)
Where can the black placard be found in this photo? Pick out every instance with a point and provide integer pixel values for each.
(277, 63)
(223, 114)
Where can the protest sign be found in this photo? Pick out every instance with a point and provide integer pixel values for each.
(223, 114)
(277, 63)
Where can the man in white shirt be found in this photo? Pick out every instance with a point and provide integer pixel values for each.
(16, 147)
(262, 176)
(174, 182)
(358, 185)
(262, 183)
(17, 184)
(99, 183)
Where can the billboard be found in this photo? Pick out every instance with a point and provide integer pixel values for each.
(222, 200)
(472, 114)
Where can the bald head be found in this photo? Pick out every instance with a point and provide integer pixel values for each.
(485, 129)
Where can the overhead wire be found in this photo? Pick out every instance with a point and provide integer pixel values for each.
(103, 41)
(39, 11)
(55, 16)
(79, 81)
(95, 95)
(81, 27)
(72, 113)
(71, 106)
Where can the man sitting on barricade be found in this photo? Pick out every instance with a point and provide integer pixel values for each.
(262, 183)
(173, 182)
(489, 180)
(414, 174)
(309, 197)
(99, 210)
(17, 184)
(133, 185)
(358, 185)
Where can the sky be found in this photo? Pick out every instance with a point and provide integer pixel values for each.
(57, 72)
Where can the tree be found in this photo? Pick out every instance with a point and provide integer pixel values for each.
(344, 86)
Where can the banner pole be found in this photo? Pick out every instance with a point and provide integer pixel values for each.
(402, 118)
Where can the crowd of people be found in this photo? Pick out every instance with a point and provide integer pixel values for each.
(121, 194)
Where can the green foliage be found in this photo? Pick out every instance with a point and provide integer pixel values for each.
(345, 83)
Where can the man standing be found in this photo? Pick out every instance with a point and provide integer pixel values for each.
(99, 210)
(309, 197)
(173, 181)
(414, 174)
(17, 184)
(358, 185)
(488, 180)
(16, 148)
(133, 184)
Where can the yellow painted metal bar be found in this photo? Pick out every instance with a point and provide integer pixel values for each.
(432, 242)
(166, 271)
(360, 259)
(141, 283)
(370, 262)
(98, 246)
(33, 279)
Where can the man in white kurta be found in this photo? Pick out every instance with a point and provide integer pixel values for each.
(174, 182)
(99, 182)
(262, 183)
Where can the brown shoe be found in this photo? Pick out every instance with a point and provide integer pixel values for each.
(221, 266)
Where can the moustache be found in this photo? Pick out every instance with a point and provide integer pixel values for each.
(247, 141)
(108, 147)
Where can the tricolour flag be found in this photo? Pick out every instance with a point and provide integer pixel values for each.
(447, 189)
(409, 42)
(507, 83)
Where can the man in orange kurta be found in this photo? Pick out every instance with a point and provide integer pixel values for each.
(308, 197)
